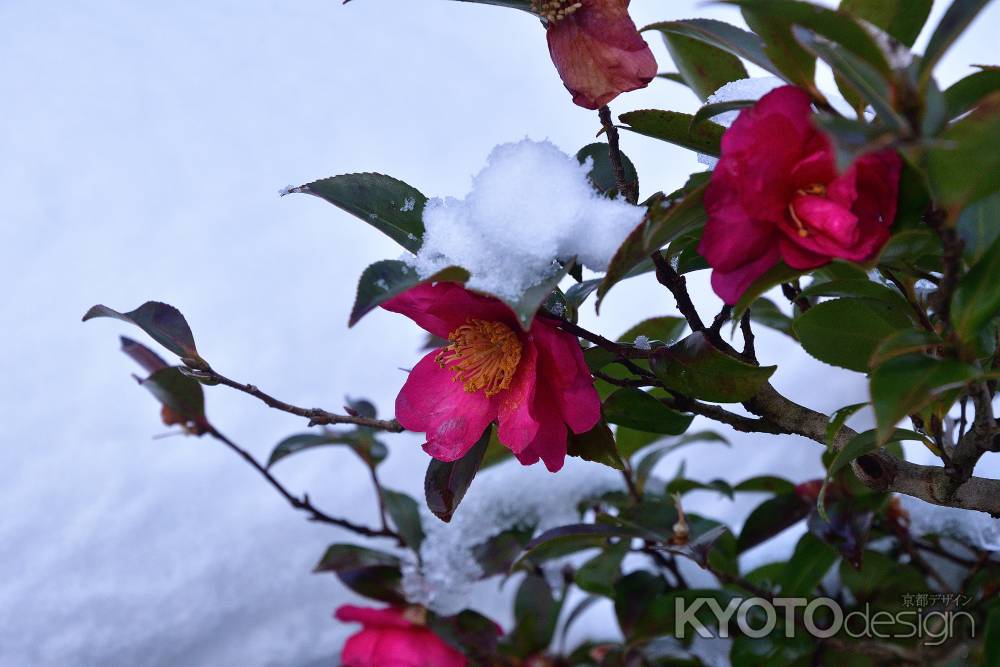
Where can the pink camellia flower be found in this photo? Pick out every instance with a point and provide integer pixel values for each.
(533, 384)
(394, 637)
(596, 49)
(776, 195)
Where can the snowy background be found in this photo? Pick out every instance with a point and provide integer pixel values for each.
(141, 150)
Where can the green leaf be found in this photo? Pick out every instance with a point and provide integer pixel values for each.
(527, 304)
(636, 409)
(405, 515)
(903, 342)
(959, 170)
(698, 549)
(163, 323)
(524, 5)
(387, 204)
(779, 273)
(668, 218)
(695, 368)
(736, 41)
(497, 554)
(979, 227)
(373, 574)
(991, 638)
(566, 540)
(977, 300)
(599, 574)
(182, 395)
(808, 565)
(845, 332)
(835, 26)
(906, 384)
(388, 278)
(793, 63)
(470, 632)
(713, 110)
(865, 443)
(901, 19)
(675, 127)
(954, 22)
(445, 484)
(771, 517)
(703, 67)
(765, 312)
(364, 445)
(666, 328)
(866, 81)
(646, 464)
(765, 484)
(855, 287)
(851, 138)
(602, 176)
(597, 445)
(537, 614)
(965, 94)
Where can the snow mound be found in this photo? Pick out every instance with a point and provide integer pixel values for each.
(530, 205)
(980, 530)
(507, 496)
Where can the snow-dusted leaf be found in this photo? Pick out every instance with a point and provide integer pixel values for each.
(391, 277)
(387, 204)
(163, 323)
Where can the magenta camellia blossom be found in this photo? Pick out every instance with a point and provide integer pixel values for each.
(596, 49)
(394, 637)
(534, 384)
(776, 195)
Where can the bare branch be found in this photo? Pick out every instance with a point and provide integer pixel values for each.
(615, 154)
(677, 285)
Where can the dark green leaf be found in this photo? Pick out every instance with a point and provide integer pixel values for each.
(852, 138)
(405, 515)
(965, 94)
(771, 517)
(565, 540)
(698, 549)
(855, 287)
(901, 19)
(387, 204)
(597, 444)
(955, 20)
(906, 341)
(991, 638)
(977, 299)
(779, 273)
(637, 409)
(599, 574)
(765, 484)
(765, 312)
(527, 304)
(736, 41)
(363, 444)
(906, 384)
(142, 355)
(979, 227)
(646, 464)
(181, 395)
(675, 127)
(668, 218)
(445, 484)
(959, 170)
(667, 329)
(704, 68)
(635, 593)
(602, 176)
(497, 554)
(695, 368)
(470, 632)
(163, 323)
(388, 278)
(808, 565)
(845, 332)
(713, 110)
(373, 574)
(865, 443)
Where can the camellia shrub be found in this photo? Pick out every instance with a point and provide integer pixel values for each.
(860, 221)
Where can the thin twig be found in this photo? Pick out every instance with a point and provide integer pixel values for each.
(615, 155)
(302, 503)
(677, 285)
(316, 416)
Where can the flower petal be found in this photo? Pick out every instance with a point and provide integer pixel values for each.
(599, 53)
(388, 617)
(433, 403)
(549, 443)
(730, 285)
(565, 376)
(517, 426)
(440, 308)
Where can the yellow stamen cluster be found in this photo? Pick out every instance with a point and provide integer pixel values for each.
(812, 189)
(483, 355)
(554, 11)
